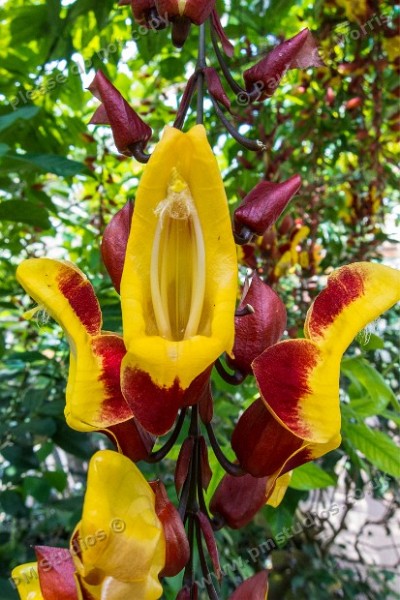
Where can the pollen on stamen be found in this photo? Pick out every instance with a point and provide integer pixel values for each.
(178, 204)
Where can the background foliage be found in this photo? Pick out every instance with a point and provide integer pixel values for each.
(61, 181)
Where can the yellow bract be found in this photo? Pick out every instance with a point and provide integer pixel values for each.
(178, 287)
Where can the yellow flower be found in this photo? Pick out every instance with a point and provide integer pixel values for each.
(178, 288)
(119, 546)
(26, 580)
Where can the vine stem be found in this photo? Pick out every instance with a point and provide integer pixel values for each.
(201, 63)
(164, 450)
(232, 468)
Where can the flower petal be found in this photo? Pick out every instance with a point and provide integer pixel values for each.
(26, 579)
(56, 573)
(237, 499)
(355, 295)
(254, 588)
(300, 386)
(279, 490)
(93, 395)
(172, 360)
(119, 514)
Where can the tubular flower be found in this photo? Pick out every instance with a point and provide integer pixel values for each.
(195, 10)
(93, 396)
(298, 412)
(178, 286)
(119, 546)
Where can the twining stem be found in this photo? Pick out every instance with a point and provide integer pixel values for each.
(235, 87)
(230, 467)
(169, 444)
(254, 145)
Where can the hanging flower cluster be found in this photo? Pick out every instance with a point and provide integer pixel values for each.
(172, 258)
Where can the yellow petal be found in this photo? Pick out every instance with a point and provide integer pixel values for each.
(356, 294)
(120, 535)
(279, 491)
(93, 395)
(178, 287)
(26, 579)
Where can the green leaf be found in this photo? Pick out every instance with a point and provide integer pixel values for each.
(367, 381)
(311, 477)
(52, 163)
(376, 446)
(21, 211)
(57, 479)
(37, 487)
(26, 113)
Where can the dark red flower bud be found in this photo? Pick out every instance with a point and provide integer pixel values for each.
(256, 432)
(206, 473)
(145, 13)
(113, 245)
(299, 52)
(56, 573)
(263, 206)
(256, 331)
(237, 499)
(177, 551)
(131, 439)
(195, 10)
(215, 88)
(219, 30)
(254, 588)
(188, 593)
(183, 463)
(127, 127)
(209, 537)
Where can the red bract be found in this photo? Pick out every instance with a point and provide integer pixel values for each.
(219, 30)
(254, 588)
(237, 499)
(263, 206)
(256, 331)
(299, 52)
(113, 245)
(177, 549)
(56, 573)
(127, 127)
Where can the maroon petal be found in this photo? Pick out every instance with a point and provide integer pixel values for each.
(256, 331)
(299, 52)
(113, 245)
(56, 573)
(237, 499)
(219, 30)
(261, 444)
(127, 127)
(254, 588)
(215, 88)
(177, 545)
(131, 439)
(156, 407)
(264, 204)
